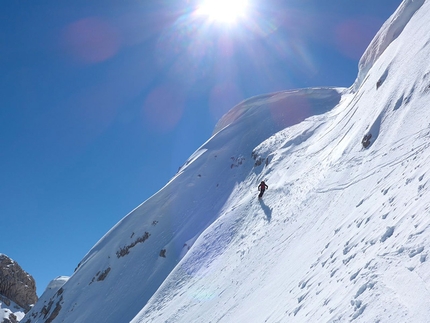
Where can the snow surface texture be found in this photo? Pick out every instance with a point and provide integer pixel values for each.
(391, 29)
(10, 311)
(342, 234)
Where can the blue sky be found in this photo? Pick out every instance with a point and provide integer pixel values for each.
(103, 101)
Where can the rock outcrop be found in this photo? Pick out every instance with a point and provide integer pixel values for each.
(16, 284)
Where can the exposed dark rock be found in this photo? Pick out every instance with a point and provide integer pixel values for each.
(55, 312)
(12, 319)
(126, 249)
(103, 275)
(16, 284)
(163, 253)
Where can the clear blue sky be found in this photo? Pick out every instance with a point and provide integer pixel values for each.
(103, 101)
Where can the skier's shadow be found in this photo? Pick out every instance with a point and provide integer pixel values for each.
(267, 210)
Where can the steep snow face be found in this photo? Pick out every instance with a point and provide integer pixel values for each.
(124, 269)
(341, 234)
(391, 29)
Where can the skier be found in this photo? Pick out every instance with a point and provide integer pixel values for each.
(366, 140)
(262, 187)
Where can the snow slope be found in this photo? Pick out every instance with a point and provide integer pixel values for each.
(391, 29)
(10, 311)
(341, 234)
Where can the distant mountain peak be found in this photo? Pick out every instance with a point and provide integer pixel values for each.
(17, 289)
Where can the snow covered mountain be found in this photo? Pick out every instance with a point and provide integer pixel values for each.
(342, 234)
(17, 291)
(10, 312)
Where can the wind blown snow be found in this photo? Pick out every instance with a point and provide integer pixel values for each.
(342, 234)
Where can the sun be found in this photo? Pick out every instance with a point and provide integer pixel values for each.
(223, 11)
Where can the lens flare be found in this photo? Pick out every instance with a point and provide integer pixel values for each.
(163, 108)
(223, 11)
(91, 40)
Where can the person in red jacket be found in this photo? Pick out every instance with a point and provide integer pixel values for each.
(262, 187)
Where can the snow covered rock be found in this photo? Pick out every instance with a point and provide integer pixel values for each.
(10, 312)
(56, 284)
(17, 291)
(16, 284)
(50, 301)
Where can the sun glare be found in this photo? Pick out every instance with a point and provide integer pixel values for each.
(223, 11)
